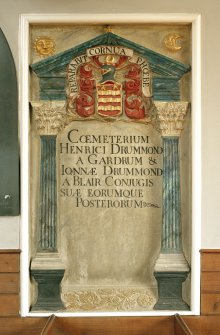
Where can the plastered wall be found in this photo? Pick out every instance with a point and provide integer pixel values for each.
(210, 11)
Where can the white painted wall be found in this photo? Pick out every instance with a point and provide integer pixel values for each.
(210, 11)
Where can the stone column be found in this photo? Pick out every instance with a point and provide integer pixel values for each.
(171, 267)
(46, 267)
(47, 234)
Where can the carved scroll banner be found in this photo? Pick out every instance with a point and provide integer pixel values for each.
(108, 136)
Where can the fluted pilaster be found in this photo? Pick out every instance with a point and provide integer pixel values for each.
(48, 195)
(49, 119)
(171, 267)
(47, 267)
(171, 227)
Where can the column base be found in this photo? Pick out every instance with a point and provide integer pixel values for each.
(48, 270)
(48, 298)
(170, 291)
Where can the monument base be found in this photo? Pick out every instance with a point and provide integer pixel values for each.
(170, 291)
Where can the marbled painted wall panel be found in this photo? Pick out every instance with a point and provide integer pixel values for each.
(109, 205)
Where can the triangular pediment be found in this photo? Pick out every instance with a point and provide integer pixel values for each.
(160, 65)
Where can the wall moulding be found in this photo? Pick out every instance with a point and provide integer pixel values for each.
(86, 102)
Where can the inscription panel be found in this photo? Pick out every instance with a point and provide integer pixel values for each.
(110, 184)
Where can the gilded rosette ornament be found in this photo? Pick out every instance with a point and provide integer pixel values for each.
(170, 117)
(49, 116)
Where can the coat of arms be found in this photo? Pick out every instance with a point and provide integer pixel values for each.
(109, 81)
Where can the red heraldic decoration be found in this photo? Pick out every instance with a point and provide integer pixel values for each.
(109, 81)
(85, 101)
(134, 106)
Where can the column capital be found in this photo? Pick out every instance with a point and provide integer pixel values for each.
(49, 116)
(170, 117)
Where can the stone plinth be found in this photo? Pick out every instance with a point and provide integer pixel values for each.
(47, 270)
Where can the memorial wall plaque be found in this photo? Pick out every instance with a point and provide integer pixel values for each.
(110, 164)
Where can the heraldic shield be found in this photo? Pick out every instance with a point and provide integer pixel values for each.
(109, 98)
(109, 81)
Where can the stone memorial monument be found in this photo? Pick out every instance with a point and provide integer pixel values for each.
(110, 168)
